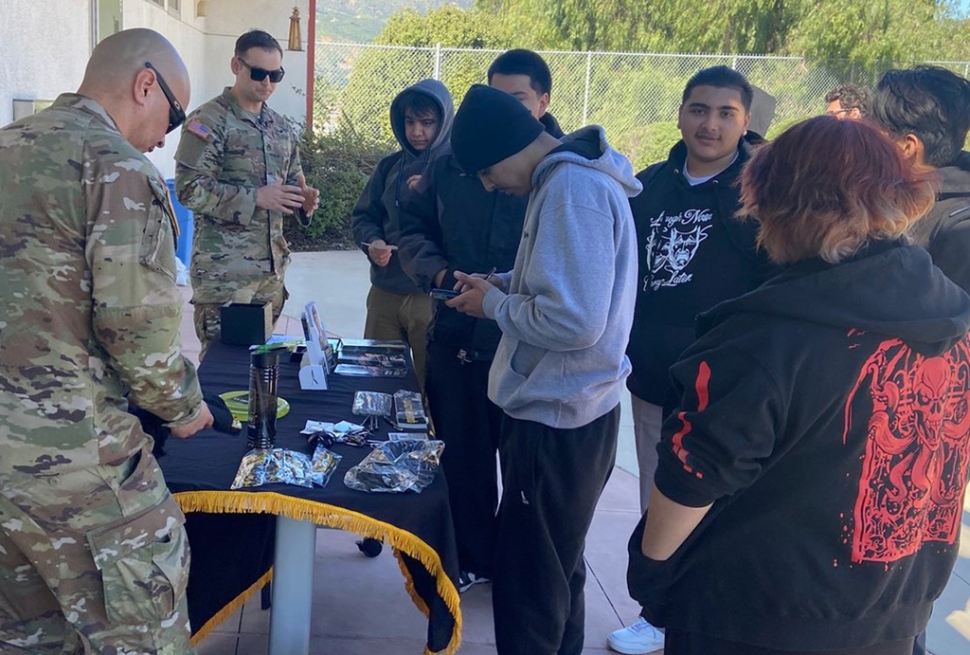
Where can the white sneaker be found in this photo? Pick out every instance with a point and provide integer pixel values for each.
(637, 639)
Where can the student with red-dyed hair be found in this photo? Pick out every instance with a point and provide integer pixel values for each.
(810, 486)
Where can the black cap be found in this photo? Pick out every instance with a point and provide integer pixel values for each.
(490, 126)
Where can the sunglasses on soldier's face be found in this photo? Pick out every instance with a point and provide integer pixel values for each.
(257, 74)
(176, 115)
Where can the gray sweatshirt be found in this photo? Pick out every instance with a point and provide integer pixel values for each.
(567, 315)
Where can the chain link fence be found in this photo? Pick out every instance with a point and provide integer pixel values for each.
(633, 95)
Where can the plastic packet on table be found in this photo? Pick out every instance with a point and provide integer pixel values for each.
(409, 411)
(273, 466)
(397, 466)
(372, 403)
(322, 465)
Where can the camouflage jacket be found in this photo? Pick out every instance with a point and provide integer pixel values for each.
(224, 156)
(89, 307)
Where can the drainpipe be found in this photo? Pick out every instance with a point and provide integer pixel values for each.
(311, 61)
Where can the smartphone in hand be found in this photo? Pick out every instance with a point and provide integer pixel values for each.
(444, 294)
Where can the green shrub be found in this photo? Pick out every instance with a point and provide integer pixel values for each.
(646, 144)
(338, 163)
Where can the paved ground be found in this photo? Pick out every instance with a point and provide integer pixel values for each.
(360, 605)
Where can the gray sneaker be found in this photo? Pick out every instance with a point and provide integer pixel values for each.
(467, 580)
(637, 639)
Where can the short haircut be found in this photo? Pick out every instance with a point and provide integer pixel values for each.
(824, 187)
(256, 39)
(721, 77)
(419, 104)
(523, 62)
(850, 96)
(929, 102)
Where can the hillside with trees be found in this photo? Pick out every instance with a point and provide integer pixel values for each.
(361, 21)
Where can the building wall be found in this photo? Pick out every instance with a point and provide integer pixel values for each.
(44, 46)
(187, 34)
(208, 57)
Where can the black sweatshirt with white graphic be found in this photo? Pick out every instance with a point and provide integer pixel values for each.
(826, 415)
(693, 254)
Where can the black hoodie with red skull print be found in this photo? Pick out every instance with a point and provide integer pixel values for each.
(826, 415)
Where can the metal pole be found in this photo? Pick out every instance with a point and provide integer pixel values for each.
(437, 61)
(589, 67)
(289, 621)
(734, 62)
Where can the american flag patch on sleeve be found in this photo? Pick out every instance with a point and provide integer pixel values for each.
(199, 130)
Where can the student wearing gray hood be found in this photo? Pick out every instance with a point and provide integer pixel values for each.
(565, 311)
(397, 308)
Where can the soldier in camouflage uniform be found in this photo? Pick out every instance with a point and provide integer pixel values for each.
(238, 169)
(93, 553)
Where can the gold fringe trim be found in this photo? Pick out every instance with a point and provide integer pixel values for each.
(234, 605)
(409, 585)
(300, 509)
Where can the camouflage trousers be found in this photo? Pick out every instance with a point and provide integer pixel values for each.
(207, 317)
(93, 561)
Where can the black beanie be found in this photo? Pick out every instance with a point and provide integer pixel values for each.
(490, 125)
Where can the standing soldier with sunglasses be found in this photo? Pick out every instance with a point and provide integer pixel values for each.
(93, 555)
(238, 168)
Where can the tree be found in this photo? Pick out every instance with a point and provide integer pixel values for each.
(380, 74)
(860, 34)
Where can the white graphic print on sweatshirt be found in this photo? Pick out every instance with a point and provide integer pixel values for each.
(672, 245)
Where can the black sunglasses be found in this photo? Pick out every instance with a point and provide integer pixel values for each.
(257, 74)
(176, 115)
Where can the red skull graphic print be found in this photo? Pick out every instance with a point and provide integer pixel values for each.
(916, 456)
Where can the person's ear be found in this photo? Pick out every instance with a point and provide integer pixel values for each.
(543, 103)
(234, 65)
(912, 148)
(144, 81)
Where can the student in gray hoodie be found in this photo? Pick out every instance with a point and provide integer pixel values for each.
(565, 311)
(397, 308)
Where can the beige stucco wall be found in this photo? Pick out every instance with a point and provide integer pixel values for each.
(45, 44)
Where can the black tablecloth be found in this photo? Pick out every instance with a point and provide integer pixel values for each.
(231, 533)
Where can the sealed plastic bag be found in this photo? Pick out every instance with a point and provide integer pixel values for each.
(281, 466)
(397, 466)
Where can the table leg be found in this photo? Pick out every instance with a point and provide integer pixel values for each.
(289, 621)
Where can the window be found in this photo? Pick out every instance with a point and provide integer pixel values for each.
(24, 108)
(175, 7)
(107, 19)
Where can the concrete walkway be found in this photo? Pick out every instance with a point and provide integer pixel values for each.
(360, 605)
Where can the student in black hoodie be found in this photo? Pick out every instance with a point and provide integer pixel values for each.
(693, 255)
(397, 308)
(810, 487)
(451, 223)
(927, 111)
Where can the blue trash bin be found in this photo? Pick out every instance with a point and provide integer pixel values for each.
(183, 249)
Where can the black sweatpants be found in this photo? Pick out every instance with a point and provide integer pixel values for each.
(469, 424)
(681, 642)
(552, 480)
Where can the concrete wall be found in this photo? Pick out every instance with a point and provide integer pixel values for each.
(187, 34)
(227, 20)
(44, 46)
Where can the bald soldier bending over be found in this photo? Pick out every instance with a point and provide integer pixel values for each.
(93, 555)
